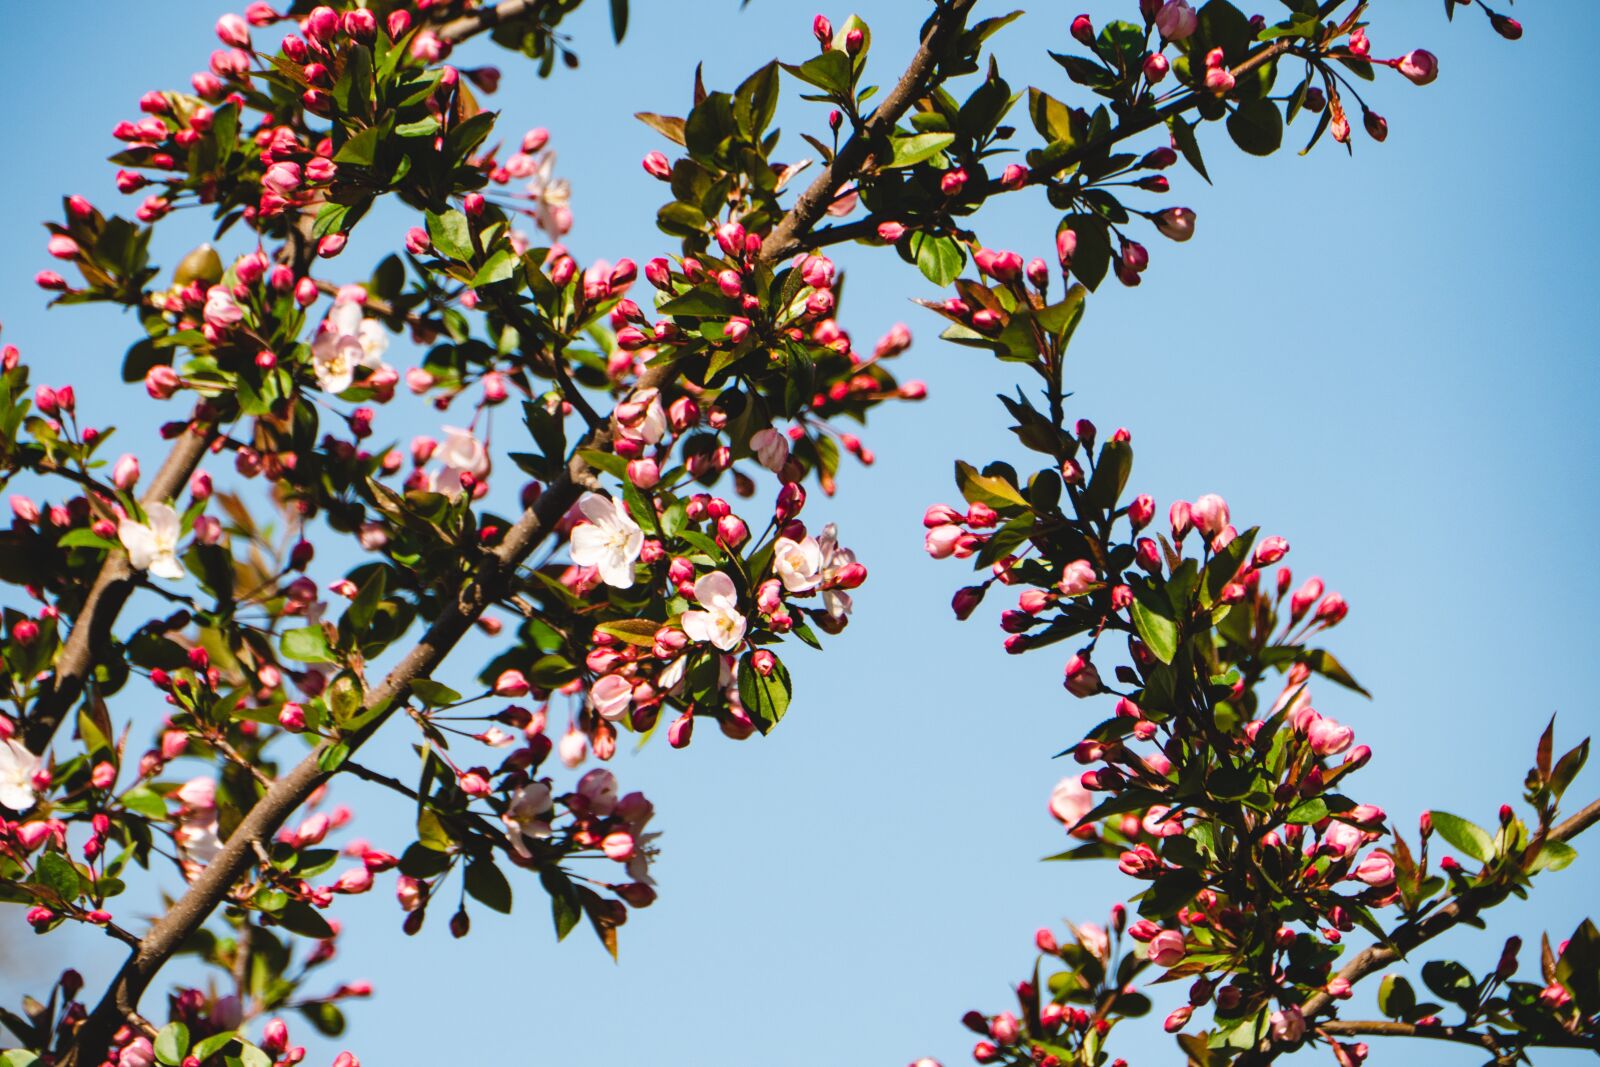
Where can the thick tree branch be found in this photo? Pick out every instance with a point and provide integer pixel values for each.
(89, 640)
(484, 19)
(856, 156)
(492, 580)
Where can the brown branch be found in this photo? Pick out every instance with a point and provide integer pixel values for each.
(1410, 935)
(90, 637)
(851, 231)
(492, 582)
(487, 18)
(856, 156)
(1499, 1044)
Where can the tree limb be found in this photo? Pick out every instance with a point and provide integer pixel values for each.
(90, 636)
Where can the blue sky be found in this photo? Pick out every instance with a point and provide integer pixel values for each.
(1386, 360)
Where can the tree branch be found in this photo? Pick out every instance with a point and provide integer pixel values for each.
(861, 228)
(787, 237)
(1495, 1043)
(90, 636)
(492, 582)
(487, 18)
(1410, 935)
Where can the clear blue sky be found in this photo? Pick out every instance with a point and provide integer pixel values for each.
(1386, 359)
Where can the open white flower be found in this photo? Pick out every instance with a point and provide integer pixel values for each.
(334, 359)
(834, 560)
(798, 564)
(346, 341)
(461, 453)
(609, 542)
(17, 768)
(721, 623)
(153, 545)
(527, 816)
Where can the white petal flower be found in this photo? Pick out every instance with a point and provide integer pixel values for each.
(374, 341)
(153, 545)
(17, 768)
(527, 816)
(463, 452)
(797, 563)
(722, 624)
(334, 359)
(610, 541)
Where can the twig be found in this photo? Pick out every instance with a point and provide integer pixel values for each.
(1460, 1034)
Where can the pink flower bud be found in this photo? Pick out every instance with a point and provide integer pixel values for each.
(953, 182)
(657, 165)
(62, 247)
(1155, 67)
(1175, 223)
(822, 29)
(511, 683)
(1178, 1019)
(1167, 948)
(292, 717)
(1176, 21)
(1083, 30)
(125, 472)
(360, 24)
(890, 231)
(1419, 65)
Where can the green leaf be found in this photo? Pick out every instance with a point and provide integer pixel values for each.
(940, 259)
(619, 19)
(486, 883)
(1257, 127)
(765, 698)
(640, 632)
(327, 1018)
(666, 125)
(1467, 836)
(918, 148)
(986, 488)
(361, 150)
(308, 644)
(501, 266)
(1396, 998)
(1153, 618)
(172, 1044)
(565, 908)
(250, 1056)
(1553, 856)
(552, 671)
(1307, 812)
(205, 1048)
(1326, 665)
(451, 235)
(332, 758)
(1183, 135)
(829, 72)
(1450, 980)
(83, 537)
(301, 918)
(434, 694)
(56, 873)
(1579, 967)
(1110, 475)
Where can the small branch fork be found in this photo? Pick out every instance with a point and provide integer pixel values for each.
(492, 575)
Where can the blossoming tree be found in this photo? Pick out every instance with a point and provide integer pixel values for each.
(640, 596)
